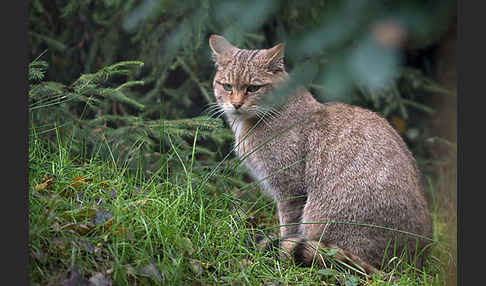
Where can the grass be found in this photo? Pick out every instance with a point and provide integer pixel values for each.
(92, 219)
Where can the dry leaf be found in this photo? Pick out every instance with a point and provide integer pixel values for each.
(85, 213)
(118, 231)
(47, 182)
(41, 186)
(79, 181)
(108, 224)
(102, 183)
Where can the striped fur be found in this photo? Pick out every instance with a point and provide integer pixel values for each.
(341, 176)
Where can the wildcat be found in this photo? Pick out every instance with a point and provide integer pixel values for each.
(321, 163)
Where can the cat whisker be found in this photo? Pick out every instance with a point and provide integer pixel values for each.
(221, 113)
(212, 109)
(216, 112)
(274, 115)
(256, 110)
(261, 115)
(210, 105)
(269, 113)
(273, 111)
(265, 112)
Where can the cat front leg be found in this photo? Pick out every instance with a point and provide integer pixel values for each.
(290, 215)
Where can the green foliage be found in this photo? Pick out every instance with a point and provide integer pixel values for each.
(37, 70)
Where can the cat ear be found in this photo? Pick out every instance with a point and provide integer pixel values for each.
(220, 48)
(275, 58)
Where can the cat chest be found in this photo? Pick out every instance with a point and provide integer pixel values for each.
(254, 158)
(269, 163)
(257, 166)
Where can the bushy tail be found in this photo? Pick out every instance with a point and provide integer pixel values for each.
(306, 252)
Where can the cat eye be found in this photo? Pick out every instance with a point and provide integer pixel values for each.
(253, 88)
(227, 87)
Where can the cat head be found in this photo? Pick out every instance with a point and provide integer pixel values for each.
(245, 77)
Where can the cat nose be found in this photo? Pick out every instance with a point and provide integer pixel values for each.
(237, 104)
